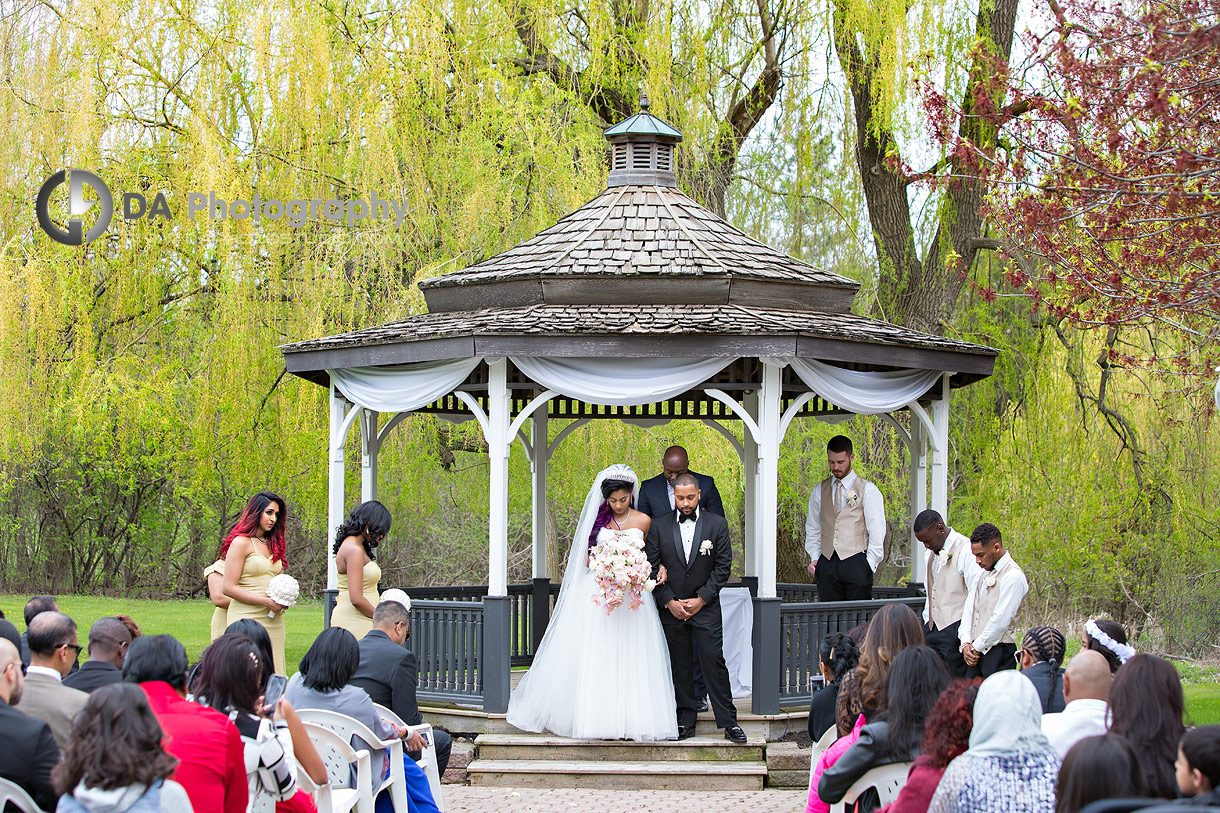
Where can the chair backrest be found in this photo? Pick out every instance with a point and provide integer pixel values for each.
(337, 754)
(887, 779)
(341, 724)
(14, 794)
(387, 714)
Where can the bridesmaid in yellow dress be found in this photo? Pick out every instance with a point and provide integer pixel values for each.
(215, 575)
(356, 553)
(254, 552)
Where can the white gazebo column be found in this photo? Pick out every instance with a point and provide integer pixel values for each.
(497, 618)
(540, 609)
(940, 451)
(767, 631)
(919, 495)
(749, 470)
(370, 447)
(336, 458)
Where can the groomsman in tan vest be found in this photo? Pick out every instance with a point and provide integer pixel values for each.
(986, 637)
(844, 529)
(951, 571)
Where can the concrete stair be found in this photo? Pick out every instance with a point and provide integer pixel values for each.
(547, 761)
(788, 765)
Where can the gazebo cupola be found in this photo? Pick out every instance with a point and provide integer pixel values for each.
(642, 150)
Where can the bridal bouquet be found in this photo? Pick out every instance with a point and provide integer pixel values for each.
(622, 571)
(283, 589)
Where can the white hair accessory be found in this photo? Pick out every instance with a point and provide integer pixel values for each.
(1124, 652)
(394, 594)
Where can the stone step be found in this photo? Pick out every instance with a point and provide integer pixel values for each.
(788, 756)
(619, 775)
(537, 747)
(461, 756)
(788, 780)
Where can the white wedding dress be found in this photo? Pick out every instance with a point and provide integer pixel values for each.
(598, 675)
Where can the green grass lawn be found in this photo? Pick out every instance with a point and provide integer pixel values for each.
(1203, 703)
(188, 621)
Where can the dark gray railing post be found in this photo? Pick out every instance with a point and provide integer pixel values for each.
(329, 597)
(496, 653)
(540, 612)
(766, 638)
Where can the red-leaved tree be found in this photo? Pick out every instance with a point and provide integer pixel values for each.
(1105, 184)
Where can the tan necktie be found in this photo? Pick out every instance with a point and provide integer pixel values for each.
(838, 496)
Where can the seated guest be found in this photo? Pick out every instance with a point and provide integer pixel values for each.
(1040, 657)
(10, 633)
(33, 608)
(946, 735)
(991, 606)
(211, 760)
(53, 650)
(229, 679)
(862, 690)
(1086, 685)
(830, 756)
(27, 749)
(1009, 766)
(389, 672)
(837, 656)
(114, 761)
(1103, 767)
(108, 642)
(1110, 639)
(131, 625)
(324, 682)
(915, 681)
(1198, 766)
(1146, 706)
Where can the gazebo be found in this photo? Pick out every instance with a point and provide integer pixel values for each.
(640, 306)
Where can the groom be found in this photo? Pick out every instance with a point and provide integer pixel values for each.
(693, 545)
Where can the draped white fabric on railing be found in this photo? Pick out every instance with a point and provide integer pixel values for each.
(614, 381)
(865, 393)
(401, 388)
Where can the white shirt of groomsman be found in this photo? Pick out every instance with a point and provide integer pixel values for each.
(1086, 688)
(1002, 574)
(948, 548)
(874, 512)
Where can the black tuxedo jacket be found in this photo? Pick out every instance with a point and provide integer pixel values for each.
(27, 754)
(390, 675)
(704, 574)
(654, 496)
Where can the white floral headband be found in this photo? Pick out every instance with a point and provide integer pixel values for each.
(1124, 652)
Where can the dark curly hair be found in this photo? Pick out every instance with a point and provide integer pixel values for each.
(115, 742)
(894, 628)
(371, 515)
(229, 676)
(839, 654)
(946, 733)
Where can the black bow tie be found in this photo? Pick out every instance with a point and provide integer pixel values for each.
(686, 517)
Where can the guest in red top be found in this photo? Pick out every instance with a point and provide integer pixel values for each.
(212, 766)
(946, 736)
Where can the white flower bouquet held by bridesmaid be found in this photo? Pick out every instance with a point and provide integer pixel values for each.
(283, 589)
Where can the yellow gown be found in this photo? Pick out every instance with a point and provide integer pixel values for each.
(345, 613)
(220, 615)
(256, 574)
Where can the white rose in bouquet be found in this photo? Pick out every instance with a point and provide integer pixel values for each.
(284, 590)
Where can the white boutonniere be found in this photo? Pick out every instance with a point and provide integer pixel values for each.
(853, 499)
(989, 582)
(944, 557)
(705, 546)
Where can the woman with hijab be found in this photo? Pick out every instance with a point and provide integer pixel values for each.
(1010, 767)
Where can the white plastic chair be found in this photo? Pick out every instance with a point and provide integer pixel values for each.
(338, 755)
(887, 780)
(819, 748)
(427, 757)
(348, 727)
(14, 794)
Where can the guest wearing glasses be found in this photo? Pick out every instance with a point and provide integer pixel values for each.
(53, 650)
(356, 543)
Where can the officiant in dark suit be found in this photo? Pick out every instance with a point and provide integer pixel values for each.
(694, 547)
(657, 501)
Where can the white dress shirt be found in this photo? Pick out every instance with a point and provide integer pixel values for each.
(957, 551)
(1079, 719)
(874, 521)
(1010, 581)
(43, 670)
(669, 487)
(688, 533)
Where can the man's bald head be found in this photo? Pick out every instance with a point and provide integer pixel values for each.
(108, 641)
(674, 462)
(1087, 677)
(10, 672)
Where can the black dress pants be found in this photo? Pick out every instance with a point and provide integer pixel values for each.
(996, 659)
(849, 579)
(945, 641)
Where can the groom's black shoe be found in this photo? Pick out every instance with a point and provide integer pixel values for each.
(734, 734)
(685, 732)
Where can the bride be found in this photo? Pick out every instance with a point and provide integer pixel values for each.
(600, 675)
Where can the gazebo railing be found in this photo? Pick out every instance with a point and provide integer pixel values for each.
(802, 628)
(791, 593)
(447, 637)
